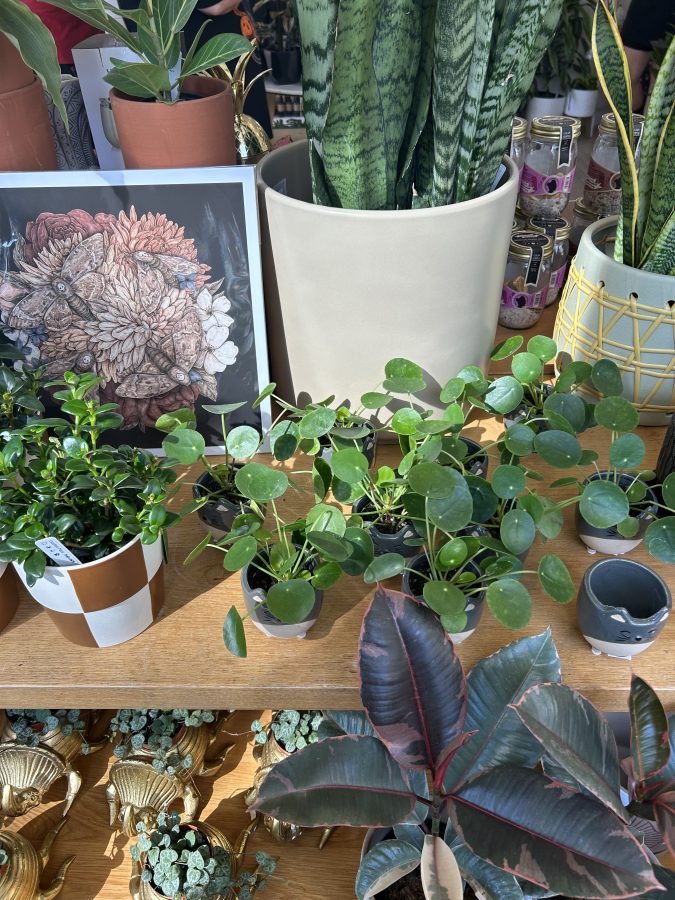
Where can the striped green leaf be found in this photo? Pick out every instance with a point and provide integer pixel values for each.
(663, 186)
(661, 255)
(614, 77)
(660, 105)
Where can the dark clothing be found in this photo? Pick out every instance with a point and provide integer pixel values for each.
(648, 21)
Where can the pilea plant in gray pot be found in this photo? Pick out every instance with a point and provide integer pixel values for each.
(453, 769)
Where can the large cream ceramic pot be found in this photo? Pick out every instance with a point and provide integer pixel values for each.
(347, 290)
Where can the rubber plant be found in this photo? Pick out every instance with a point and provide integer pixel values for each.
(462, 751)
(646, 232)
(415, 93)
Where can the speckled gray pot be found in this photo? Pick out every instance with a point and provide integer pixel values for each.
(474, 605)
(622, 607)
(388, 543)
(608, 540)
(263, 619)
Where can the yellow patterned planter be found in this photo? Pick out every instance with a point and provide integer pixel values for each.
(615, 312)
(20, 877)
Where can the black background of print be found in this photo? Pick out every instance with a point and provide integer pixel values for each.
(213, 216)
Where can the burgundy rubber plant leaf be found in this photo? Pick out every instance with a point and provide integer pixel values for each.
(664, 811)
(649, 738)
(412, 683)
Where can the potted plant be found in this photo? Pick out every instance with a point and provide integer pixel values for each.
(22, 866)
(382, 511)
(27, 49)
(582, 94)
(458, 814)
(357, 200)
(279, 33)
(177, 861)
(31, 727)
(82, 522)
(167, 114)
(164, 736)
(618, 304)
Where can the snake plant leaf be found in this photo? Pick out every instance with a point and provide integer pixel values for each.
(577, 737)
(494, 684)
(660, 106)
(493, 883)
(649, 738)
(350, 780)
(614, 77)
(440, 873)
(662, 202)
(541, 831)
(661, 255)
(384, 865)
(402, 647)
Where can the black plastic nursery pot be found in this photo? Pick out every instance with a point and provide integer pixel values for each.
(413, 585)
(366, 445)
(387, 542)
(608, 540)
(219, 513)
(254, 585)
(286, 65)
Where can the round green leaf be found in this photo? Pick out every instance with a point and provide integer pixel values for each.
(532, 504)
(433, 480)
(326, 575)
(452, 389)
(452, 554)
(517, 531)
(444, 598)
(234, 636)
(375, 400)
(179, 418)
(627, 451)
(240, 553)
(660, 539)
(330, 545)
(636, 491)
(606, 378)
(452, 513)
(324, 517)
(616, 414)
(508, 481)
(383, 567)
(558, 449)
(405, 421)
(362, 551)
(574, 373)
(322, 476)
(437, 426)
(504, 394)
(454, 624)
(243, 441)
(284, 439)
(555, 578)
(476, 383)
(484, 500)
(185, 446)
(317, 422)
(588, 457)
(629, 527)
(527, 367)
(349, 465)
(542, 347)
(519, 439)
(569, 407)
(603, 504)
(260, 483)
(291, 601)
(403, 377)
(507, 347)
(509, 602)
(668, 490)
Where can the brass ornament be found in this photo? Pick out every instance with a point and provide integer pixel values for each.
(137, 792)
(20, 876)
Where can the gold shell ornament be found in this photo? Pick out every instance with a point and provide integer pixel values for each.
(20, 876)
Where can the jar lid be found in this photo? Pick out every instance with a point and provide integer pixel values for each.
(581, 211)
(523, 242)
(556, 227)
(608, 123)
(518, 128)
(551, 126)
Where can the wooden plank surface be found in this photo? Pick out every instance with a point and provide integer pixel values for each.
(181, 662)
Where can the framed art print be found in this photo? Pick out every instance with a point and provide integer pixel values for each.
(149, 278)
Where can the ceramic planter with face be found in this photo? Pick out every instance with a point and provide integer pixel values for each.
(262, 618)
(105, 602)
(384, 541)
(609, 540)
(622, 607)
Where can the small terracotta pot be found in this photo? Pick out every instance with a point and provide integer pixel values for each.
(14, 73)
(189, 133)
(9, 598)
(26, 140)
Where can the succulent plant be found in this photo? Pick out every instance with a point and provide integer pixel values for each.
(31, 725)
(293, 729)
(18, 392)
(156, 730)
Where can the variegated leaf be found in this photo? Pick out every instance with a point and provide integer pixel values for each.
(649, 737)
(662, 204)
(441, 878)
(664, 810)
(491, 883)
(383, 866)
(661, 255)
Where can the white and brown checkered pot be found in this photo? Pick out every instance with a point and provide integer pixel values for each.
(9, 598)
(105, 602)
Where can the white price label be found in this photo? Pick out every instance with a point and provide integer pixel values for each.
(54, 549)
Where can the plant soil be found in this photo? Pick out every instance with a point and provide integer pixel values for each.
(387, 524)
(410, 888)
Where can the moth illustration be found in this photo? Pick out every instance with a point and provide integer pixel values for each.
(68, 294)
(78, 361)
(175, 270)
(167, 365)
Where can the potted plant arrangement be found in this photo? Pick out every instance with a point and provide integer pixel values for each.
(22, 866)
(473, 809)
(620, 305)
(167, 737)
(178, 861)
(82, 522)
(167, 114)
(358, 196)
(280, 39)
(27, 49)
(382, 511)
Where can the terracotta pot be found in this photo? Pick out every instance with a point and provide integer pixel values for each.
(14, 73)
(26, 140)
(9, 599)
(189, 133)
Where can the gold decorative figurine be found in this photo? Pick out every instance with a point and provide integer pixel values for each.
(249, 135)
(20, 875)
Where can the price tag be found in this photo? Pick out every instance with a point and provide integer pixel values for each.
(54, 549)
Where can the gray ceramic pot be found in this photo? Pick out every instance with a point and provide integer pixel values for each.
(384, 542)
(262, 618)
(474, 605)
(608, 540)
(366, 446)
(622, 607)
(218, 514)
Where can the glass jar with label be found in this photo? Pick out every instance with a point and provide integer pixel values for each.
(582, 217)
(518, 136)
(526, 280)
(550, 161)
(558, 230)
(602, 188)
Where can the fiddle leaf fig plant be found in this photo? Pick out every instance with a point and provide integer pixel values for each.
(457, 752)
(156, 730)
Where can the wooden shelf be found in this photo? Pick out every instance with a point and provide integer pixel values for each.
(181, 661)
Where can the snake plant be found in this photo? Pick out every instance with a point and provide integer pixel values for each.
(415, 93)
(646, 231)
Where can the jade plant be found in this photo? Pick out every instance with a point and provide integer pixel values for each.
(292, 728)
(181, 863)
(644, 238)
(58, 480)
(160, 71)
(30, 726)
(157, 731)
(474, 753)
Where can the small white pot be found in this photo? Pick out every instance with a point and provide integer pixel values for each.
(544, 106)
(581, 103)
